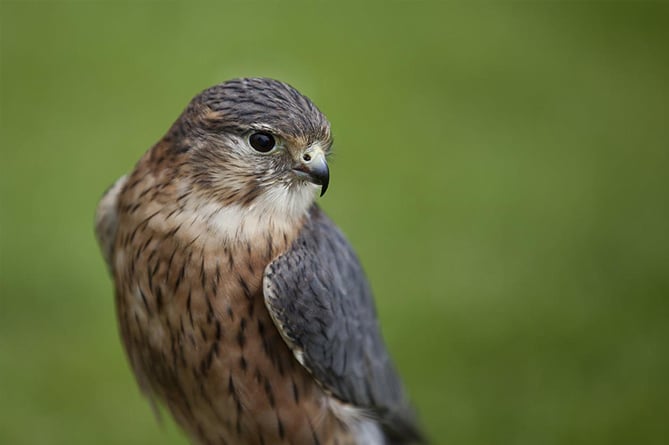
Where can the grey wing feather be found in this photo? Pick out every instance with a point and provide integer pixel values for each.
(106, 219)
(320, 300)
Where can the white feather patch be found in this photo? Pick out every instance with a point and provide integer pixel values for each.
(106, 219)
(365, 429)
(275, 211)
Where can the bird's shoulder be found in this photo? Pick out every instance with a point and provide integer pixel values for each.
(319, 299)
(107, 218)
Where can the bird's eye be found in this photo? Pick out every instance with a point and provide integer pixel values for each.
(262, 142)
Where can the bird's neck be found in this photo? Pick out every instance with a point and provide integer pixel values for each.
(194, 215)
(199, 219)
(240, 224)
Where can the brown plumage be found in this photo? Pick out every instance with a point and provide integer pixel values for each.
(188, 236)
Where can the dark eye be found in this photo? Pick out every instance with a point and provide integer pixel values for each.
(262, 142)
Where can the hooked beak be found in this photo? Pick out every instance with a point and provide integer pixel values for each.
(314, 168)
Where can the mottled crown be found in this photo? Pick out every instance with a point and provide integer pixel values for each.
(239, 105)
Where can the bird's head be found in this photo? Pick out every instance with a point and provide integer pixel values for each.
(254, 143)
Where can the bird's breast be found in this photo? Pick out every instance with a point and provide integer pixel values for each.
(199, 337)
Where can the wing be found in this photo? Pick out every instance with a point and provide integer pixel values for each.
(320, 301)
(106, 219)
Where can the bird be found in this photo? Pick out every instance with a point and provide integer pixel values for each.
(241, 306)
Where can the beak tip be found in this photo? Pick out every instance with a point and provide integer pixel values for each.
(325, 180)
(321, 176)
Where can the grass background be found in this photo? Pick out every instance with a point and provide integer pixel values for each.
(503, 171)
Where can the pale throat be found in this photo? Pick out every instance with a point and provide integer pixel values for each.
(277, 212)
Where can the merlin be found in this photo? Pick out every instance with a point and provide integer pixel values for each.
(241, 306)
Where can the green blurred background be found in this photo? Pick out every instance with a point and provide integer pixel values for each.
(503, 171)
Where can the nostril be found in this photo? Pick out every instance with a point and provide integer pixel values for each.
(306, 157)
